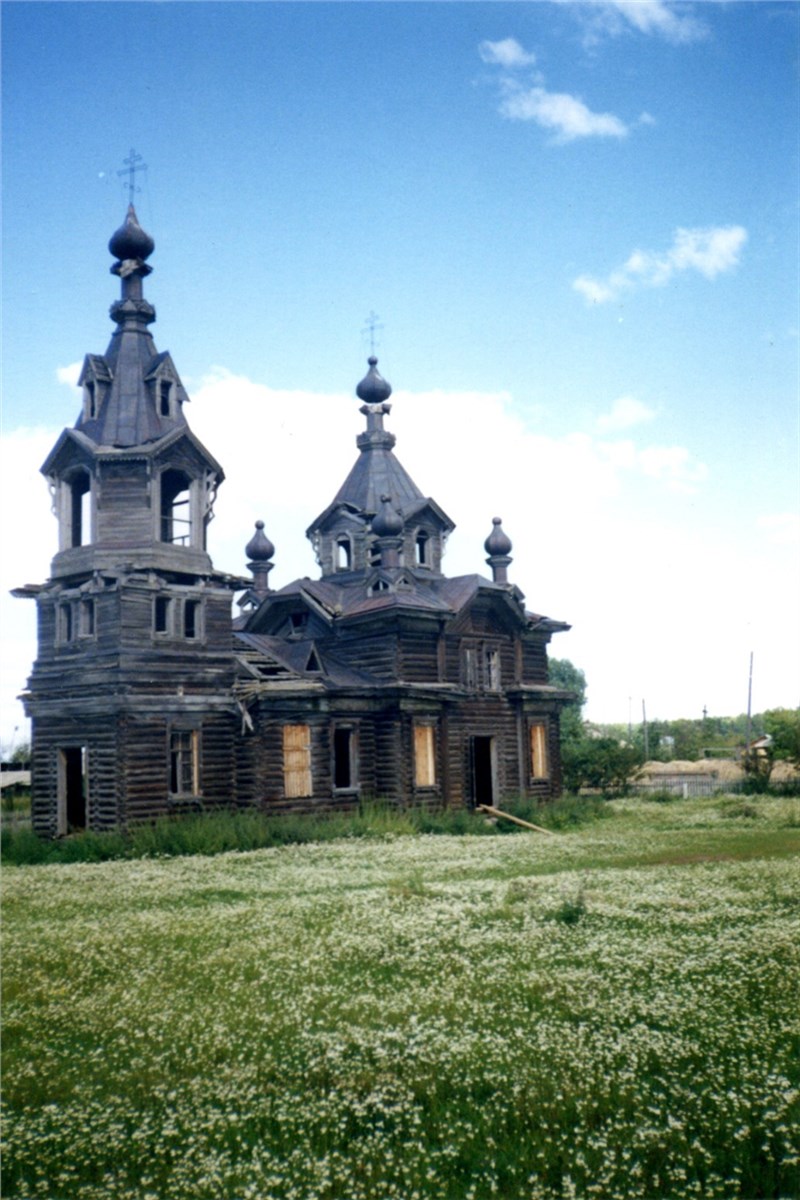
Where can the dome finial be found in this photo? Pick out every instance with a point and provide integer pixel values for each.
(498, 547)
(259, 551)
(130, 242)
(373, 388)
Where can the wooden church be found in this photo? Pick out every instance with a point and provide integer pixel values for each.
(383, 679)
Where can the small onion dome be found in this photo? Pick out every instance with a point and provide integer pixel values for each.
(373, 388)
(388, 522)
(130, 240)
(259, 548)
(497, 542)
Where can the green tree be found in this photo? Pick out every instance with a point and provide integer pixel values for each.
(564, 674)
(598, 762)
(783, 726)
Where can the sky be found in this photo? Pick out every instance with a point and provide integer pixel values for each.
(577, 224)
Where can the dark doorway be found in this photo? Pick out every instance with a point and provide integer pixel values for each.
(483, 770)
(343, 774)
(73, 791)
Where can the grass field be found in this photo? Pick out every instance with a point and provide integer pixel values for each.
(613, 1012)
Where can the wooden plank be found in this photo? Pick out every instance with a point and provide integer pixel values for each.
(496, 812)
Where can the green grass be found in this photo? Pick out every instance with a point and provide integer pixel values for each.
(608, 1013)
(217, 832)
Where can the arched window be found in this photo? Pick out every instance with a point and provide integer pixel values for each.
(344, 553)
(90, 399)
(176, 510)
(165, 397)
(422, 547)
(79, 493)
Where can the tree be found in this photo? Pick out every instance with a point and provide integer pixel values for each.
(603, 763)
(783, 726)
(564, 674)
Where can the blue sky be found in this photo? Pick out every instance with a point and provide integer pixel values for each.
(578, 225)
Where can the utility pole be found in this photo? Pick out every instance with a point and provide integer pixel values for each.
(749, 704)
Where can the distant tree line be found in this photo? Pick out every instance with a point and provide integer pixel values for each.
(607, 756)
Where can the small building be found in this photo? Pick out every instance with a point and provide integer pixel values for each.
(383, 679)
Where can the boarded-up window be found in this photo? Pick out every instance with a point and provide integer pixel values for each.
(539, 767)
(184, 762)
(424, 756)
(296, 761)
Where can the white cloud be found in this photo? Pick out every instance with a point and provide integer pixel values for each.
(69, 375)
(711, 252)
(626, 411)
(567, 115)
(605, 534)
(661, 18)
(508, 53)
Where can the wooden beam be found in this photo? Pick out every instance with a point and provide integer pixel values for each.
(496, 812)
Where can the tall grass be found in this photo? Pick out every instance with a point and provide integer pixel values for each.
(219, 831)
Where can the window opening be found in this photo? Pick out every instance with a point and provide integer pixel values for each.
(80, 495)
(176, 513)
(539, 767)
(184, 762)
(424, 756)
(344, 770)
(422, 549)
(66, 629)
(296, 761)
(469, 665)
(492, 669)
(91, 407)
(73, 788)
(313, 663)
(344, 554)
(191, 618)
(87, 617)
(162, 612)
(164, 397)
(298, 620)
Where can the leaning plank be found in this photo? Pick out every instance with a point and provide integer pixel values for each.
(496, 812)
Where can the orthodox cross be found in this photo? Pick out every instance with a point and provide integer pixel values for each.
(133, 163)
(372, 327)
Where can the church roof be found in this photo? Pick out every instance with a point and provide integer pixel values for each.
(129, 409)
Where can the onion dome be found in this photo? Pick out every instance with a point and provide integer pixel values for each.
(259, 549)
(497, 542)
(387, 522)
(373, 388)
(130, 241)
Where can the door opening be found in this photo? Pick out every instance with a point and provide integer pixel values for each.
(73, 791)
(483, 770)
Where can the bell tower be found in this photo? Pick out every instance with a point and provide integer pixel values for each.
(129, 694)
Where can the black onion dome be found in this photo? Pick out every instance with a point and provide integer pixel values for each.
(373, 388)
(387, 522)
(259, 548)
(130, 240)
(497, 542)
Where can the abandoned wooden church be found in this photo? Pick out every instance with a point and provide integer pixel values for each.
(381, 679)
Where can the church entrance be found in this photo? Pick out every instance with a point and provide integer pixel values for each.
(73, 793)
(483, 770)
